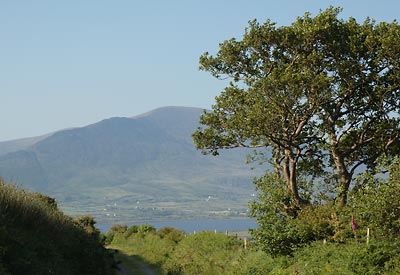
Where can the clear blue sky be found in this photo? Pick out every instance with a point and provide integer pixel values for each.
(70, 63)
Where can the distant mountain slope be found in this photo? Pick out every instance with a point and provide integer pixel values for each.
(141, 167)
(19, 144)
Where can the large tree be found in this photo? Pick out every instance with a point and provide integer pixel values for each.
(360, 114)
(322, 91)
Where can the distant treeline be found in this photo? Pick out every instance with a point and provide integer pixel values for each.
(37, 238)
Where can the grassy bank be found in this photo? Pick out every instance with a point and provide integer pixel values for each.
(37, 238)
(174, 253)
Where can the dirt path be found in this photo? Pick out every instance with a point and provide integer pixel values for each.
(130, 265)
(143, 268)
(122, 270)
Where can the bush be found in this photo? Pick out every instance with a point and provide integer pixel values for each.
(257, 263)
(144, 229)
(149, 246)
(204, 253)
(118, 228)
(375, 204)
(171, 233)
(115, 228)
(87, 222)
(378, 258)
(37, 238)
(315, 240)
(131, 230)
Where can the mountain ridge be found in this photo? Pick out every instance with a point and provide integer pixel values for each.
(146, 165)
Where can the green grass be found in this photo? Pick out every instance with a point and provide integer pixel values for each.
(218, 254)
(36, 238)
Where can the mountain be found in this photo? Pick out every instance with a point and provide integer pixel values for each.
(19, 144)
(126, 169)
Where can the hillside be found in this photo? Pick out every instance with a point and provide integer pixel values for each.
(36, 238)
(143, 167)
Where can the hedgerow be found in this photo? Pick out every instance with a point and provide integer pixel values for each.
(37, 238)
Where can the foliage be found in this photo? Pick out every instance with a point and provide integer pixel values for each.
(340, 258)
(173, 253)
(87, 223)
(375, 203)
(210, 253)
(318, 240)
(275, 227)
(257, 263)
(151, 247)
(377, 258)
(171, 233)
(322, 96)
(50, 202)
(37, 238)
(145, 229)
(117, 228)
(130, 230)
(322, 91)
(204, 253)
(281, 232)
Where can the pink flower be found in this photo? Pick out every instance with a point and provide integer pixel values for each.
(353, 224)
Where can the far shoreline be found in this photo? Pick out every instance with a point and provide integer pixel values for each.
(194, 225)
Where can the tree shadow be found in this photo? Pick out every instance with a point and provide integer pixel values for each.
(133, 264)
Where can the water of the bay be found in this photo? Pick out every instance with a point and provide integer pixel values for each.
(190, 226)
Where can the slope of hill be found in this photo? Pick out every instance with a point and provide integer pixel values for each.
(36, 238)
(19, 144)
(143, 167)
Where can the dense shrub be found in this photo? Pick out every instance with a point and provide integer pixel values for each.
(131, 230)
(375, 204)
(146, 229)
(210, 253)
(256, 263)
(377, 258)
(87, 223)
(205, 253)
(171, 233)
(275, 232)
(151, 247)
(172, 252)
(37, 238)
(116, 228)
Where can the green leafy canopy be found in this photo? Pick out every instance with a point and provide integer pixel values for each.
(322, 94)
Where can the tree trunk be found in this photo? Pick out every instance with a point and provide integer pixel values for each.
(300, 202)
(290, 174)
(344, 177)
